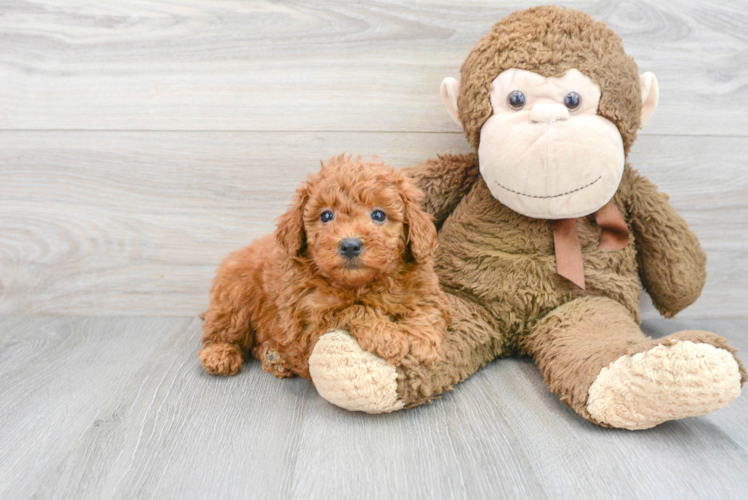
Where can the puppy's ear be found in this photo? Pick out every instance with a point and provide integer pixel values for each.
(422, 237)
(290, 229)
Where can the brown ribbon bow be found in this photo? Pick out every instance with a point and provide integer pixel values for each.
(614, 235)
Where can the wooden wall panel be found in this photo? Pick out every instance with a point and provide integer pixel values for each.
(136, 222)
(325, 65)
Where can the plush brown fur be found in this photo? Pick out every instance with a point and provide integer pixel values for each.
(498, 267)
(277, 296)
(578, 339)
(554, 41)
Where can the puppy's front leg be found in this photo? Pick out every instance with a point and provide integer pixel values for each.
(384, 338)
(419, 335)
(375, 333)
(425, 334)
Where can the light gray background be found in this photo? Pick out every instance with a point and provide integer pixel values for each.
(142, 141)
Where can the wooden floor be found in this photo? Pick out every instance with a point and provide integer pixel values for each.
(118, 407)
(142, 141)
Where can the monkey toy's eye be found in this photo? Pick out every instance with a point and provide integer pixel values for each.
(516, 100)
(378, 216)
(326, 216)
(572, 100)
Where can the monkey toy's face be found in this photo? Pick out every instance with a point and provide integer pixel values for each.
(545, 152)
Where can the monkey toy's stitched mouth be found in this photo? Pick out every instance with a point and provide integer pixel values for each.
(549, 196)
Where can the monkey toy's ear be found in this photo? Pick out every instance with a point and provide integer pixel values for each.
(650, 95)
(290, 229)
(450, 90)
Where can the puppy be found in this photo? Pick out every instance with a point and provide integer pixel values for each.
(353, 252)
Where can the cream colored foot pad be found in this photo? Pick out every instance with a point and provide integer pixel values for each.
(351, 378)
(665, 383)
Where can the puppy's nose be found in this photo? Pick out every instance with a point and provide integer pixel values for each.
(351, 247)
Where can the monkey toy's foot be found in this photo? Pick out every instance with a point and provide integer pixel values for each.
(221, 359)
(351, 378)
(671, 380)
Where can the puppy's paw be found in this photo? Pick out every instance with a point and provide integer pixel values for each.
(380, 336)
(427, 352)
(220, 359)
(273, 362)
(390, 345)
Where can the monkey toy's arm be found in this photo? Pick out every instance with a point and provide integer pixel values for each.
(444, 180)
(672, 265)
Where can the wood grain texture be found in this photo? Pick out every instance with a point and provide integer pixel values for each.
(137, 222)
(325, 65)
(56, 376)
(120, 408)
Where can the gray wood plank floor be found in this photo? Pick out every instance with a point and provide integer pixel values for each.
(119, 407)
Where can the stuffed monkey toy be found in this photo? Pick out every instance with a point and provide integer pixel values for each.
(547, 236)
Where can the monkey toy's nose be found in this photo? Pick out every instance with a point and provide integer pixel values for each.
(544, 112)
(351, 247)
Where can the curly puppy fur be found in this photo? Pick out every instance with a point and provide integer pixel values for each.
(277, 296)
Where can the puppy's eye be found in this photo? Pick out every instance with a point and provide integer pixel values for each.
(378, 216)
(516, 100)
(326, 216)
(572, 100)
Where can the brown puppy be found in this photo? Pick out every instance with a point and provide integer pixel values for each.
(353, 252)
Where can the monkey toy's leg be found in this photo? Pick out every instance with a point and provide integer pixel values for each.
(596, 359)
(349, 377)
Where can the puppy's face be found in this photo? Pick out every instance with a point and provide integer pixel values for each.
(357, 221)
(355, 234)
